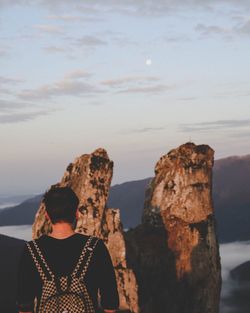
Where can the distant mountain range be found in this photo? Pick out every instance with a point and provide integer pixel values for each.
(12, 200)
(21, 214)
(231, 195)
(129, 198)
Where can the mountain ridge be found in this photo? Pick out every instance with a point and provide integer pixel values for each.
(231, 196)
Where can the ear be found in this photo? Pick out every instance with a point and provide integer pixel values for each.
(47, 216)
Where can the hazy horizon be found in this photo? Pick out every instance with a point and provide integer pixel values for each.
(9, 203)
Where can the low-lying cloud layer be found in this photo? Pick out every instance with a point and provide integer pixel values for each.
(232, 255)
(18, 117)
(215, 125)
(20, 232)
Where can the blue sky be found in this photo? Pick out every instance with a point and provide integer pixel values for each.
(135, 77)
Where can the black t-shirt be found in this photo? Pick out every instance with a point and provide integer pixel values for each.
(62, 256)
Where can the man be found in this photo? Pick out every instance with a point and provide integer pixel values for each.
(63, 254)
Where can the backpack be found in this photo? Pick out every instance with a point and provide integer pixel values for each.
(65, 294)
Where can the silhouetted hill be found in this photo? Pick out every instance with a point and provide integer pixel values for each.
(11, 250)
(231, 194)
(129, 198)
(13, 199)
(241, 273)
(238, 300)
(22, 214)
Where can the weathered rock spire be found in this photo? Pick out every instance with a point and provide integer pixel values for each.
(179, 200)
(90, 177)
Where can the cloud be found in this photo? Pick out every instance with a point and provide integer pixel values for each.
(65, 18)
(174, 39)
(8, 80)
(72, 45)
(119, 39)
(22, 232)
(125, 80)
(77, 83)
(69, 18)
(149, 8)
(61, 88)
(147, 89)
(54, 49)
(6, 105)
(3, 52)
(52, 29)
(241, 134)
(70, 85)
(188, 98)
(139, 7)
(232, 255)
(146, 130)
(137, 84)
(4, 91)
(244, 29)
(6, 83)
(205, 30)
(15, 111)
(90, 41)
(77, 74)
(18, 117)
(214, 125)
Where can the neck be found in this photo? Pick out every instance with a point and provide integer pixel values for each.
(61, 230)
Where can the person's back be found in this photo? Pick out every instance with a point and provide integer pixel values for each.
(82, 261)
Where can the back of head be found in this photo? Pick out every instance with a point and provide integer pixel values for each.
(61, 204)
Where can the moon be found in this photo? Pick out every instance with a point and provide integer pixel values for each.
(148, 62)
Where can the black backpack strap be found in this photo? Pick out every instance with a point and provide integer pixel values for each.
(88, 257)
(39, 261)
(85, 257)
(82, 255)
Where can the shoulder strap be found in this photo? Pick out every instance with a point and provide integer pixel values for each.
(90, 254)
(39, 260)
(84, 250)
(86, 255)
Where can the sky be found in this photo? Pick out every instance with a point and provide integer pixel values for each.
(137, 78)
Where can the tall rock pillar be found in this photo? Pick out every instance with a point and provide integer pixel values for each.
(175, 252)
(90, 177)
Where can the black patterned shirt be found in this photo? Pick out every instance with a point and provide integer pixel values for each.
(62, 256)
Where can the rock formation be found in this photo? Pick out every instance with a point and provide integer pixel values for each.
(169, 263)
(90, 177)
(174, 252)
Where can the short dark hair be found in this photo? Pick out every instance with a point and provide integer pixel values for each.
(61, 204)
